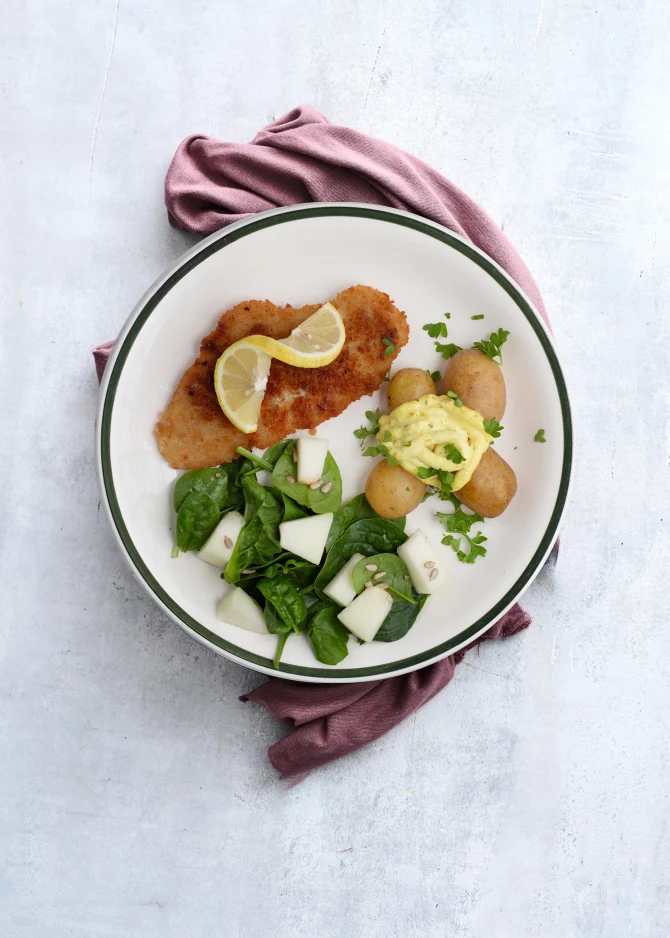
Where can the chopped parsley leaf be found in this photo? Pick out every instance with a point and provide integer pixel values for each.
(455, 398)
(453, 454)
(436, 330)
(445, 478)
(390, 347)
(459, 524)
(381, 450)
(493, 428)
(364, 432)
(446, 351)
(492, 347)
(539, 437)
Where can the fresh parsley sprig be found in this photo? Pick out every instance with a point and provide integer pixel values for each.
(447, 351)
(493, 428)
(381, 450)
(493, 345)
(453, 454)
(363, 433)
(436, 330)
(458, 525)
(434, 375)
(446, 480)
(390, 347)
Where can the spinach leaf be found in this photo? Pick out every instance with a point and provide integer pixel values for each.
(396, 575)
(301, 572)
(197, 517)
(292, 510)
(367, 537)
(328, 636)
(358, 509)
(244, 556)
(275, 626)
(258, 541)
(316, 499)
(400, 619)
(314, 603)
(272, 454)
(258, 462)
(289, 604)
(261, 502)
(213, 482)
(235, 498)
(285, 611)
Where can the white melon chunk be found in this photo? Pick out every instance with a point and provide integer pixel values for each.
(312, 452)
(218, 547)
(238, 608)
(306, 537)
(341, 588)
(366, 613)
(425, 569)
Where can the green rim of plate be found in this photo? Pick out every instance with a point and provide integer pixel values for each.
(228, 237)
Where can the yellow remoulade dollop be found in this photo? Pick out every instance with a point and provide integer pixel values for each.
(417, 432)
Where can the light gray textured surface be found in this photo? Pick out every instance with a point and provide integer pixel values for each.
(531, 797)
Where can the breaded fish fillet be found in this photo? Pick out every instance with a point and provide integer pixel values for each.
(194, 433)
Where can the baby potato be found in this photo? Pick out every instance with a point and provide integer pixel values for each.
(391, 491)
(491, 488)
(409, 384)
(478, 381)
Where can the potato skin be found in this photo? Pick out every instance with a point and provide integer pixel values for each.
(491, 488)
(392, 492)
(478, 381)
(409, 384)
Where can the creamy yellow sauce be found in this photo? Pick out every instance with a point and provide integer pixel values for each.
(417, 432)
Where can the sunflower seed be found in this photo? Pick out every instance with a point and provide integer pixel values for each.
(370, 567)
(433, 574)
(248, 572)
(326, 488)
(382, 586)
(429, 564)
(369, 584)
(315, 485)
(290, 478)
(379, 575)
(406, 577)
(228, 542)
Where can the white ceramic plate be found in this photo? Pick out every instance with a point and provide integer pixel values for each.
(307, 254)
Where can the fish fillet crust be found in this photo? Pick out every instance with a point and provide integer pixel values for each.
(194, 432)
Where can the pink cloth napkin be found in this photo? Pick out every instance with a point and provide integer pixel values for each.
(303, 158)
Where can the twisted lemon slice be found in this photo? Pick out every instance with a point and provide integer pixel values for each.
(241, 373)
(314, 343)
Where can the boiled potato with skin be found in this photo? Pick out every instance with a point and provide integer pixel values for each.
(491, 488)
(478, 381)
(409, 384)
(392, 492)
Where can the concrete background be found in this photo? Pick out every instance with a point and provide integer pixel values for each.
(531, 797)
